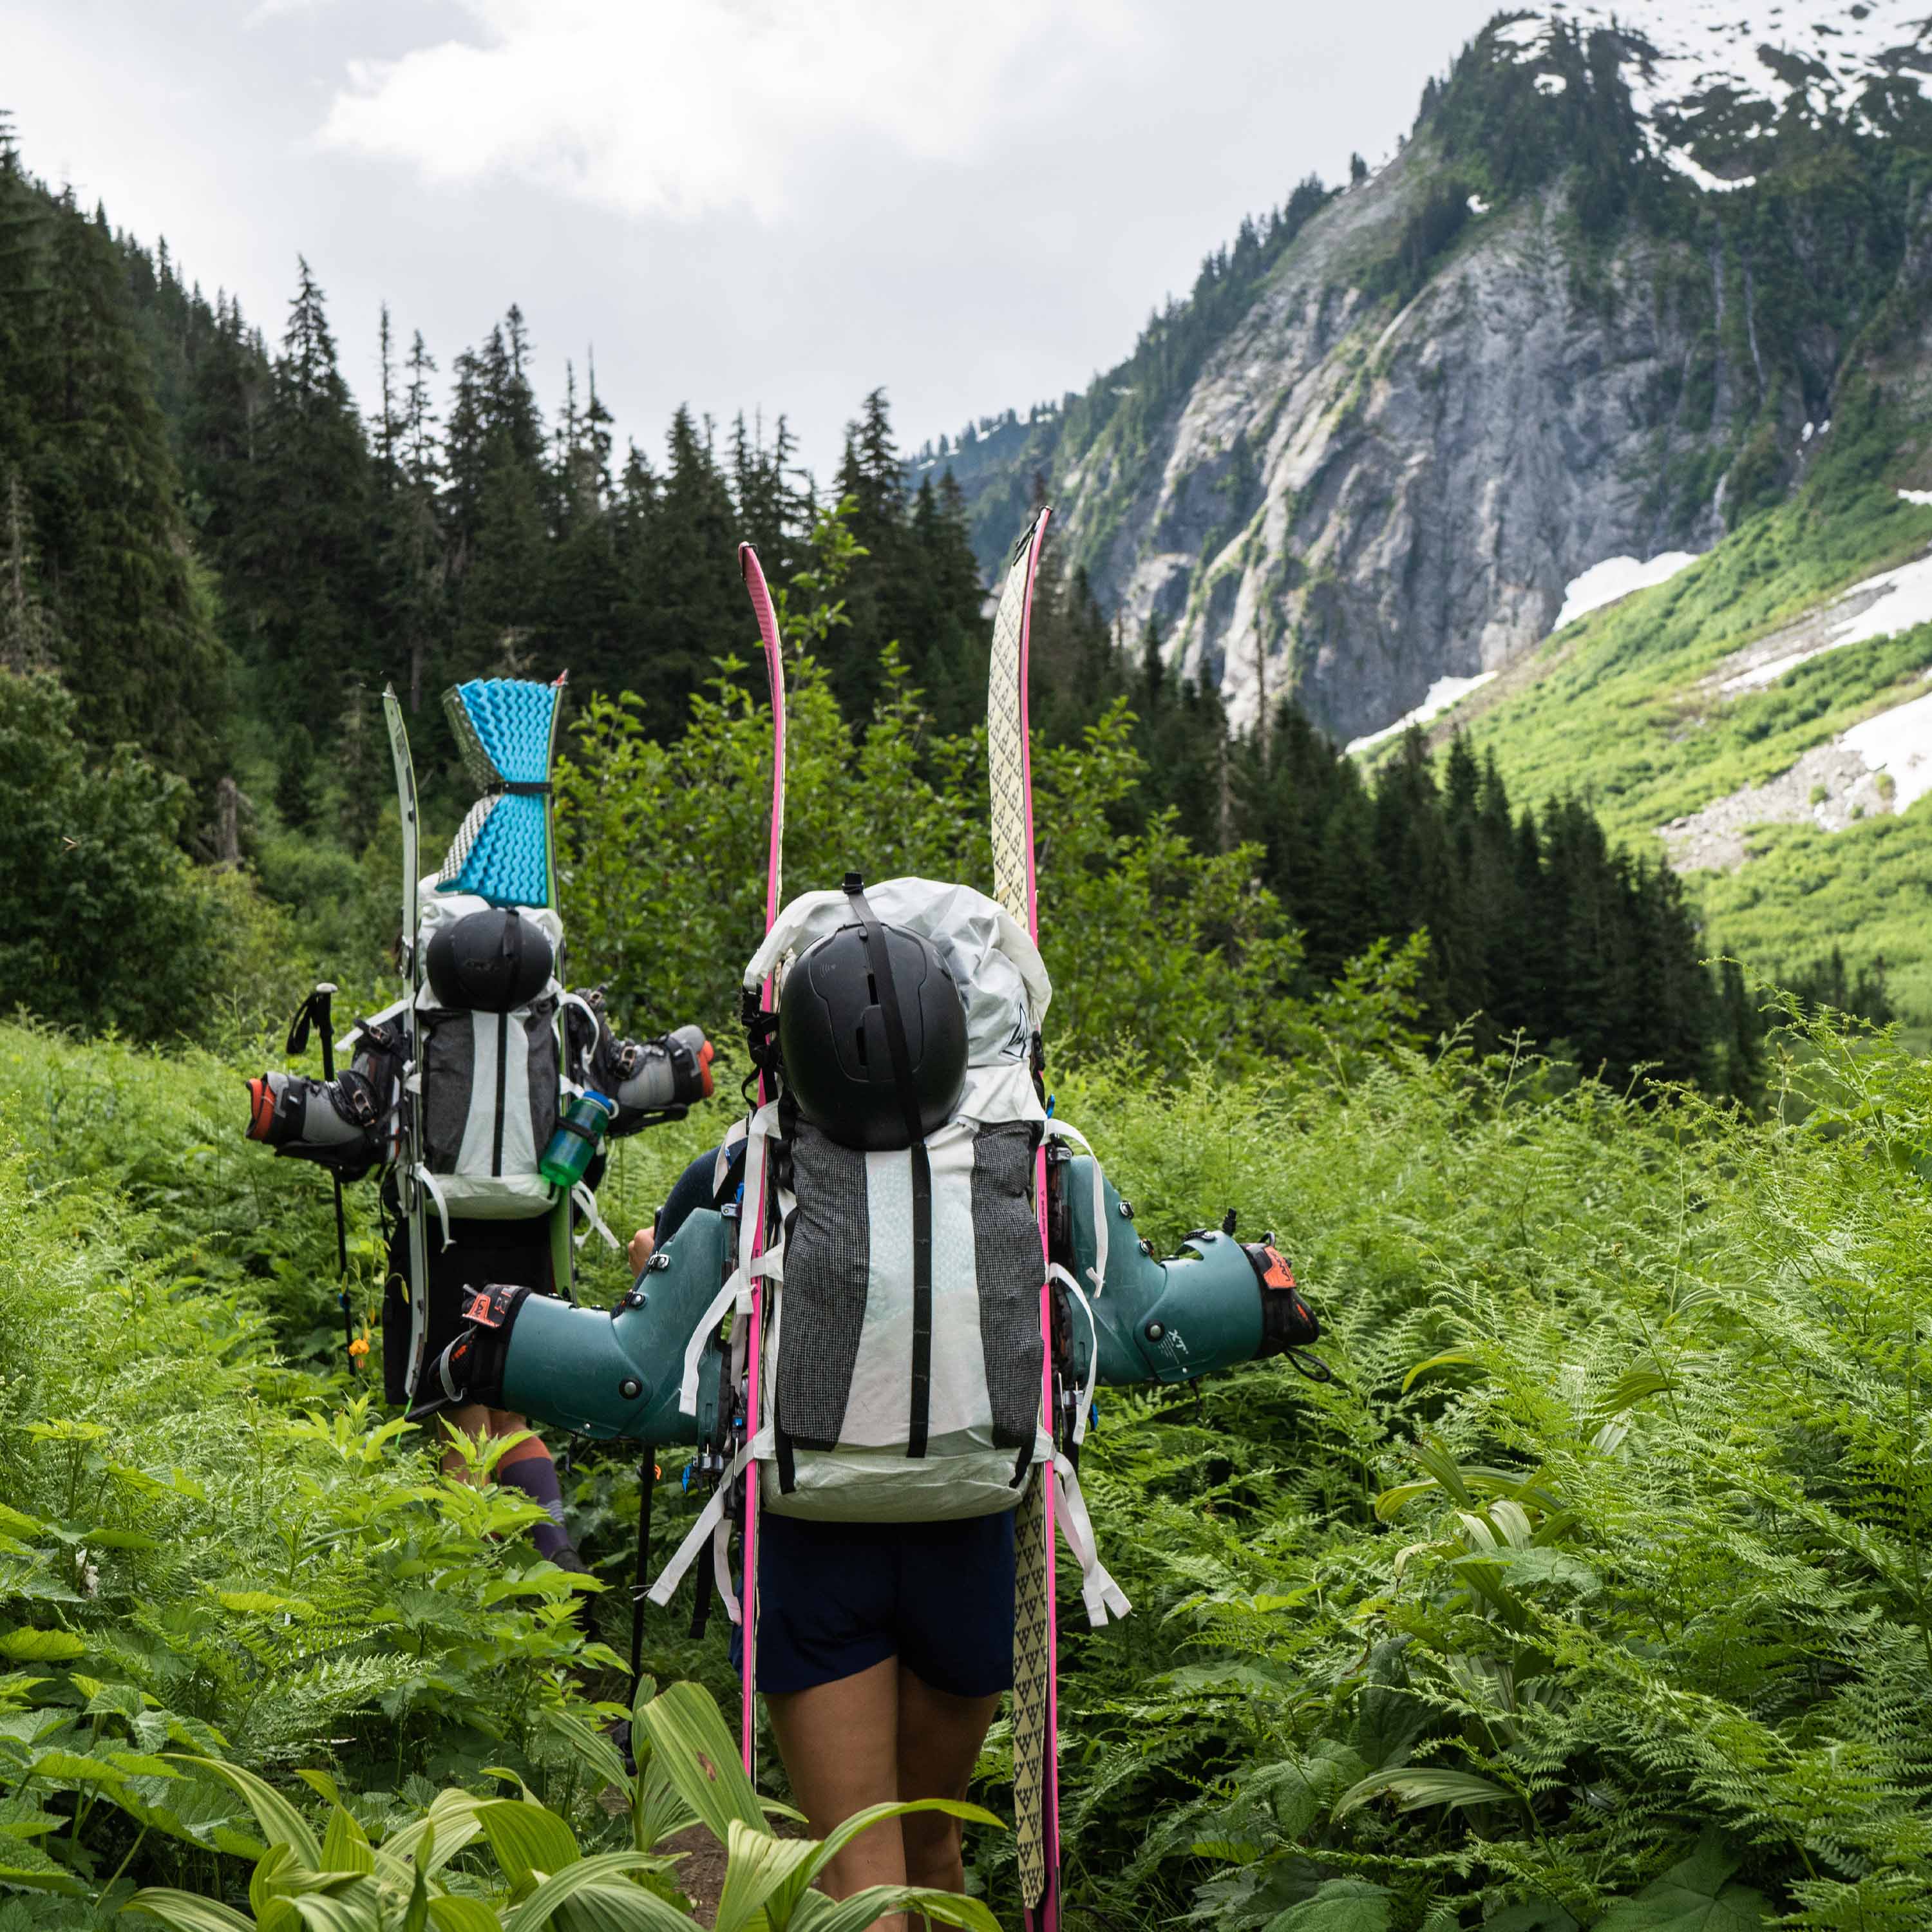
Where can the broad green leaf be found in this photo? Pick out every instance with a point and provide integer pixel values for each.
(16, 1524)
(700, 1758)
(59, 1766)
(23, 1863)
(432, 1841)
(345, 1845)
(262, 1603)
(22, 1818)
(1629, 1389)
(526, 1839)
(818, 1913)
(591, 1746)
(841, 1835)
(1391, 1502)
(194, 1809)
(355, 1906)
(1419, 1786)
(657, 1810)
(117, 1700)
(417, 1914)
(277, 1817)
(324, 1787)
(41, 1646)
(763, 1872)
(1450, 1358)
(1694, 1895)
(263, 1881)
(535, 1911)
(121, 1539)
(1342, 1905)
(622, 1908)
(1443, 1467)
(186, 1912)
(450, 1913)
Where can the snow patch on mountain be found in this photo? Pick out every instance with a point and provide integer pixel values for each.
(1443, 693)
(1899, 743)
(1617, 577)
(1875, 607)
(1880, 766)
(1713, 73)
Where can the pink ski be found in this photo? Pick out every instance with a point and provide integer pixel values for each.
(768, 629)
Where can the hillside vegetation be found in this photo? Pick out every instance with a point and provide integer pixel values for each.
(1622, 707)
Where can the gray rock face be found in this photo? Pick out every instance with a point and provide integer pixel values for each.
(1354, 499)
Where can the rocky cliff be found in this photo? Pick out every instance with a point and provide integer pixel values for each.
(1598, 305)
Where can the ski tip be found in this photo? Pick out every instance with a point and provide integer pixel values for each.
(1036, 523)
(748, 560)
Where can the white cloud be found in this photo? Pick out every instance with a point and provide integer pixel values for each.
(685, 107)
(263, 11)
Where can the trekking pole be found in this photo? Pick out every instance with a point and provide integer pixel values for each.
(324, 992)
(647, 1470)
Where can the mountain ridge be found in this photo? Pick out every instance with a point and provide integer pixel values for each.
(1536, 339)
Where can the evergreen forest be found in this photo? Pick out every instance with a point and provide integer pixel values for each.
(1592, 1591)
(216, 557)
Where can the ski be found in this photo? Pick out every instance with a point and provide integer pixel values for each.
(409, 1138)
(563, 1223)
(768, 630)
(1036, 1693)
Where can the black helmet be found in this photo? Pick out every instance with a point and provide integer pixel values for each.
(490, 962)
(835, 1033)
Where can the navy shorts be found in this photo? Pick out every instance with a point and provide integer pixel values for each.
(835, 1598)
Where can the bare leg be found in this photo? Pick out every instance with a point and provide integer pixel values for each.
(939, 1740)
(839, 1744)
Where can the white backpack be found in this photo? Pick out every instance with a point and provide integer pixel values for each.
(900, 1379)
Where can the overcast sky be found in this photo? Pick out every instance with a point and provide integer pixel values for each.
(739, 204)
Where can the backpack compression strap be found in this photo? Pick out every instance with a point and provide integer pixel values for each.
(874, 937)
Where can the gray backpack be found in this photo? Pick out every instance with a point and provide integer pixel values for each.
(902, 1378)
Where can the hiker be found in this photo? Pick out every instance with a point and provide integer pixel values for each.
(488, 1093)
(883, 1646)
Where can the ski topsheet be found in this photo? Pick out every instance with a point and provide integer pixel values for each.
(768, 630)
(1036, 1696)
(408, 1187)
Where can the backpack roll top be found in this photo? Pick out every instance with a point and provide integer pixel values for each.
(902, 1345)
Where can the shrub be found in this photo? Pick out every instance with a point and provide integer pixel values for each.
(110, 924)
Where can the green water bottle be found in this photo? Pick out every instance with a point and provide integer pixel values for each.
(574, 1146)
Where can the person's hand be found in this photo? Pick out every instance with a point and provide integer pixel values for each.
(642, 1243)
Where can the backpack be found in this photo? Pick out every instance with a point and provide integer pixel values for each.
(488, 1086)
(902, 1375)
(902, 1351)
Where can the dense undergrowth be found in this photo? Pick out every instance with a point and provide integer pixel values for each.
(1602, 1558)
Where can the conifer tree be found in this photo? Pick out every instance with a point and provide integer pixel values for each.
(121, 597)
(304, 560)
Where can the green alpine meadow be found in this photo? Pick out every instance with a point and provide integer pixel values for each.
(1478, 662)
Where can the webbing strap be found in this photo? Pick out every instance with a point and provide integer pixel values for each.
(874, 936)
(710, 1520)
(1102, 1595)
